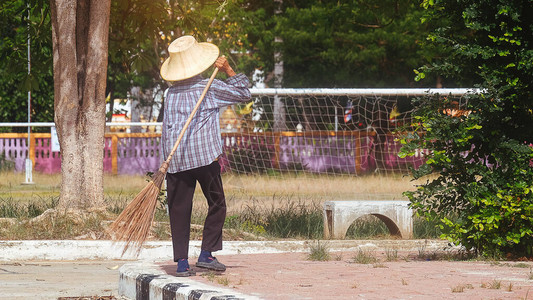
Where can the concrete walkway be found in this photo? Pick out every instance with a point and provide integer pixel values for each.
(52, 269)
(22, 279)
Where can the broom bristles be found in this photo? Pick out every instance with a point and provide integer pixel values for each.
(134, 223)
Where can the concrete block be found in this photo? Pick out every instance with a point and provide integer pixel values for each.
(339, 215)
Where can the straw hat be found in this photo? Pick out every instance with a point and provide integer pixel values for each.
(188, 58)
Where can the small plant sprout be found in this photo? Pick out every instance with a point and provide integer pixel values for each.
(404, 282)
(509, 288)
(461, 288)
(364, 257)
(210, 276)
(458, 288)
(495, 284)
(319, 252)
(223, 280)
(379, 265)
(391, 254)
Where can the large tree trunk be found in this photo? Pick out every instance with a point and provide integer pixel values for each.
(80, 39)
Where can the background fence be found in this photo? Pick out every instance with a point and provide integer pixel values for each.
(323, 131)
(139, 153)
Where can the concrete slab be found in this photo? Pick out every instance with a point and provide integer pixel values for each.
(53, 279)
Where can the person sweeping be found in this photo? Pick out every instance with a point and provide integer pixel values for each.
(196, 157)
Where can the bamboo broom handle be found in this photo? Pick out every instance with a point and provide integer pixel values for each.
(182, 133)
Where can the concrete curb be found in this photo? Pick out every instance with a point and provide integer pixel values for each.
(162, 250)
(147, 281)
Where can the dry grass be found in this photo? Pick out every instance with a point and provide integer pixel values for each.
(54, 224)
(312, 186)
(239, 189)
(283, 200)
(319, 252)
(49, 185)
(461, 288)
(365, 257)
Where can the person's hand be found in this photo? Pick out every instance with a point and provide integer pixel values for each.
(222, 64)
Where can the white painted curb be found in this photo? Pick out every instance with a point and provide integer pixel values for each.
(147, 281)
(162, 250)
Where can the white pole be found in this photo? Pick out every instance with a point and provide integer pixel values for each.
(29, 164)
(336, 120)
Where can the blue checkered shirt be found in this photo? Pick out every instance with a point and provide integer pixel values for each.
(202, 142)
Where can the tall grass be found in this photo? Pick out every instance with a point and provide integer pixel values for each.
(9, 208)
(289, 219)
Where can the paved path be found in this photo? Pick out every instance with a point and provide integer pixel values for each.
(282, 271)
(51, 269)
(53, 279)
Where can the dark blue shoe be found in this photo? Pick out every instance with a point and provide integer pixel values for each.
(208, 261)
(183, 268)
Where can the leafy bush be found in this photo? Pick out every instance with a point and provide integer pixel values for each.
(480, 146)
(5, 164)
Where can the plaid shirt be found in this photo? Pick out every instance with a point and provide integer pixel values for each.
(202, 142)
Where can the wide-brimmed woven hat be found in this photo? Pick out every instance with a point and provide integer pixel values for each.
(188, 58)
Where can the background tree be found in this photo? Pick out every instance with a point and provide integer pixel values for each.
(140, 32)
(367, 44)
(355, 43)
(15, 82)
(483, 156)
(80, 40)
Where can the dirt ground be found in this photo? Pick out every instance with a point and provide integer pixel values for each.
(293, 276)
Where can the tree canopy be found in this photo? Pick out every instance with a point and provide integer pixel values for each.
(356, 43)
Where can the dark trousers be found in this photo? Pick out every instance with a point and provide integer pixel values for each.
(180, 192)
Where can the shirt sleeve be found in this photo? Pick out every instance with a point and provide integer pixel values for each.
(232, 90)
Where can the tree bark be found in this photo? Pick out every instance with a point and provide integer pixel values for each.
(80, 40)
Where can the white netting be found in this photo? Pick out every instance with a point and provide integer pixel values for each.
(327, 143)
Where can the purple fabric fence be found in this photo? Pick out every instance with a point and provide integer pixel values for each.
(14, 150)
(46, 161)
(246, 153)
(138, 155)
(324, 154)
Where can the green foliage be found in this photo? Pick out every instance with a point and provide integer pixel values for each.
(364, 257)
(357, 43)
(319, 252)
(290, 220)
(481, 148)
(15, 82)
(235, 222)
(139, 34)
(10, 208)
(5, 164)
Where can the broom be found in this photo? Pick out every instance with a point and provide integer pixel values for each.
(134, 223)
